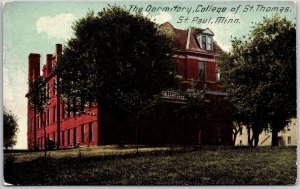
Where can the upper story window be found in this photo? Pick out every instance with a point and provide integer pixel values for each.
(201, 71)
(54, 114)
(204, 42)
(209, 43)
(48, 116)
(54, 86)
(48, 90)
(205, 39)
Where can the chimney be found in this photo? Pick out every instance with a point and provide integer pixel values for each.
(58, 50)
(33, 66)
(49, 63)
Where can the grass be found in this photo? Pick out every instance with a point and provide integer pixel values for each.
(214, 166)
(86, 151)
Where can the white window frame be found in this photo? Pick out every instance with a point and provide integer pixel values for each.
(207, 37)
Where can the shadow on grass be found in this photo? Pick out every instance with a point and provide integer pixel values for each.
(189, 165)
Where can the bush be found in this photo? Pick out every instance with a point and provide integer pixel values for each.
(51, 144)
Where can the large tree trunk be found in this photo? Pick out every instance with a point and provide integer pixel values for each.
(256, 139)
(234, 136)
(45, 137)
(256, 136)
(250, 140)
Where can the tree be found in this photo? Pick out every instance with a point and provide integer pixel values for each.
(39, 98)
(195, 108)
(260, 75)
(237, 127)
(11, 128)
(113, 55)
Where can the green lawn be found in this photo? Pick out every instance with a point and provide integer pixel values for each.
(209, 166)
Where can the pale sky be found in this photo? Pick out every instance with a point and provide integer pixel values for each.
(35, 27)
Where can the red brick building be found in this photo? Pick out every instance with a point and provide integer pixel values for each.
(196, 67)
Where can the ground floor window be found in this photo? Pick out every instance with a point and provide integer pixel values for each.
(82, 133)
(289, 140)
(63, 138)
(74, 136)
(69, 137)
(90, 132)
(54, 136)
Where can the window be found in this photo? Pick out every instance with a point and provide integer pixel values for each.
(241, 131)
(44, 120)
(48, 115)
(90, 132)
(209, 44)
(201, 71)
(54, 114)
(69, 137)
(82, 133)
(54, 86)
(42, 142)
(39, 121)
(38, 142)
(74, 136)
(68, 108)
(204, 42)
(289, 139)
(63, 138)
(48, 90)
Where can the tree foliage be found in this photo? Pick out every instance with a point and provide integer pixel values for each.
(115, 56)
(260, 75)
(39, 98)
(195, 107)
(11, 128)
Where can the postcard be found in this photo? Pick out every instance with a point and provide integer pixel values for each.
(149, 93)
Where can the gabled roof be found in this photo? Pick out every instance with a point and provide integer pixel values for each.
(206, 31)
(185, 39)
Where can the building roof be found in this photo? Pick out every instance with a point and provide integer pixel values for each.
(185, 39)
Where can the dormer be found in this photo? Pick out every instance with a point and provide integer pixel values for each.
(205, 39)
